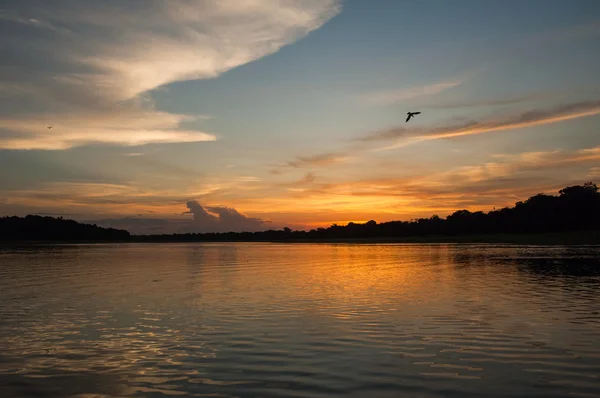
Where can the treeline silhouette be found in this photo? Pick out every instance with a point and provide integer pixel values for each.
(576, 208)
(38, 228)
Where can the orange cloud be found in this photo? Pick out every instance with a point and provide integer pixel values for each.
(501, 181)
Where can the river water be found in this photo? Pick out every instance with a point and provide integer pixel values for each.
(299, 320)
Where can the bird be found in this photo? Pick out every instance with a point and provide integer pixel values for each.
(49, 127)
(411, 114)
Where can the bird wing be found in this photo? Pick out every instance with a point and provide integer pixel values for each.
(408, 117)
(416, 113)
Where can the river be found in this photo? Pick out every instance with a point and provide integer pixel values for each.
(299, 320)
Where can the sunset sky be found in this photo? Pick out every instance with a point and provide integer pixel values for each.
(215, 115)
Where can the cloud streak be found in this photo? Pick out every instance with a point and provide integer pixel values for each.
(32, 135)
(518, 99)
(89, 60)
(323, 159)
(387, 97)
(404, 136)
(307, 162)
(499, 182)
(522, 120)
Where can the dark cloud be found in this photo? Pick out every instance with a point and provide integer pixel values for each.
(205, 219)
(317, 160)
(307, 179)
(222, 219)
(305, 162)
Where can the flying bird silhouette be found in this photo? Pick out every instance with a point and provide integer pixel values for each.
(410, 115)
(49, 127)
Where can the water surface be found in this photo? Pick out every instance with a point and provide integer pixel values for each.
(299, 320)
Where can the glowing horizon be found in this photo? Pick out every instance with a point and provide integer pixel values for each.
(212, 115)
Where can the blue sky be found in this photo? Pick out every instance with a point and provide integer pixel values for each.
(275, 112)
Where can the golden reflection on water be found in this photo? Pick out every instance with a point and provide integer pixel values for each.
(265, 319)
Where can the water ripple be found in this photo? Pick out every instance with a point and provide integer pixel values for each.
(278, 320)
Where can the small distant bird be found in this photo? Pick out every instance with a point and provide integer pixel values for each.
(49, 127)
(411, 114)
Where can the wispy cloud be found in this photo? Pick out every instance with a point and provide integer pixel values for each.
(387, 97)
(594, 172)
(91, 60)
(323, 159)
(129, 196)
(493, 124)
(405, 136)
(307, 179)
(511, 100)
(302, 184)
(510, 165)
(518, 99)
(312, 161)
(31, 135)
(499, 182)
(390, 96)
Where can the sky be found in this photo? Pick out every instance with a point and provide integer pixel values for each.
(244, 115)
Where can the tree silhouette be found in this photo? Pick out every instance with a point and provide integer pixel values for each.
(38, 228)
(576, 208)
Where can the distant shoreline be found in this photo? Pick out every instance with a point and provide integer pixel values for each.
(571, 218)
(555, 238)
(552, 238)
(548, 238)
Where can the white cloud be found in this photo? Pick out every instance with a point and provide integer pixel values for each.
(134, 127)
(92, 61)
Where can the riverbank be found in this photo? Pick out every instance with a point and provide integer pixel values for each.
(553, 238)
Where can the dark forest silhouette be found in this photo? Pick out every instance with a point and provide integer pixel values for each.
(38, 228)
(576, 208)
